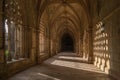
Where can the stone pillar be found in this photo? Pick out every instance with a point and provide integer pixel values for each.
(54, 47)
(46, 43)
(38, 46)
(25, 42)
(49, 44)
(30, 41)
(22, 42)
(85, 45)
(9, 42)
(49, 41)
(90, 46)
(51, 47)
(81, 46)
(34, 54)
(77, 47)
(16, 42)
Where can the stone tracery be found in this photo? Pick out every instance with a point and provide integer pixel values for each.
(33, 31)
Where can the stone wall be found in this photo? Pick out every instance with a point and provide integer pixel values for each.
(114, 22)
(8, 69)
(1, 39)
(43, 35)
(1, 43)
(17, 66)
(106, 39)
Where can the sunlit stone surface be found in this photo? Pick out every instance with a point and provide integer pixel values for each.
(64, 66)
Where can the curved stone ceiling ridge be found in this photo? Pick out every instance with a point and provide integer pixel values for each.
(63, 24)
(65, 9)
(62, 27)
(72, 17)
(58, 19)
(46, 3)
(66, 27)
(64, 30)
(69, 21)
(42, 3)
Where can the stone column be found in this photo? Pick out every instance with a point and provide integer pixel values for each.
(25, 42)
(49, 42)
(81, 46)
(22, 42)
(85, 45)
(16, 42)
(29, 43)
(90, 46)
(34, 54)
(38, 46)
(9, 42)
(77, 47)
(51, 47)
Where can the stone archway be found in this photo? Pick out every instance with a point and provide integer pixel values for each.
(57, 17)
(67, 43)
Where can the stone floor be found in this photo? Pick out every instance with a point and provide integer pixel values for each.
(64, 66)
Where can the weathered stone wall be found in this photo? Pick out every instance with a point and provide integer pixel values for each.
(1, 39)
(29, 21)
(106, 39)
(2, 63)
(17, 66)
(43, 51)
(8, 69)
(114, 22)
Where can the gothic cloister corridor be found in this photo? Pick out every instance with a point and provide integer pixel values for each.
(59, 39)
(64, 66)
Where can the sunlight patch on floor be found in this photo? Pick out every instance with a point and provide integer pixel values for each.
(63, 66)
(70, 62)
(72, 58)
(47, 76)
(76, 65)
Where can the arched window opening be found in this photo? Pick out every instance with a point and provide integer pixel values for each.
(17, 38)
(6, 39)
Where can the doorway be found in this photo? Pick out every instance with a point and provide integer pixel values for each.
(67, 43)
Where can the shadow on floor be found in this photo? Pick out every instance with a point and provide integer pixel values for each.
(62, 67)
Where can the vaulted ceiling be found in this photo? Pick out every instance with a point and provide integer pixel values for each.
(72, 14)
